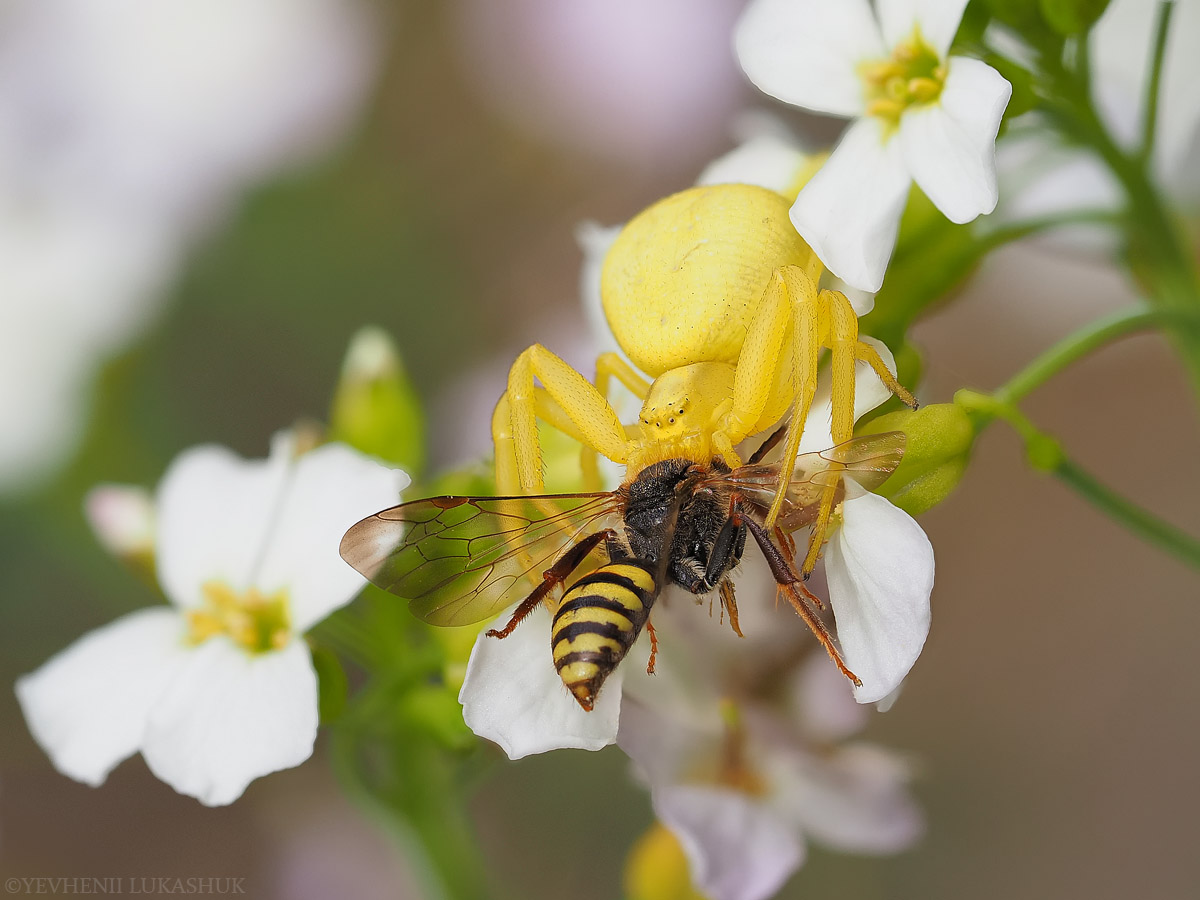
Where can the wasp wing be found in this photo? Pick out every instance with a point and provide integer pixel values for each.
(869, 460)
(459, 560)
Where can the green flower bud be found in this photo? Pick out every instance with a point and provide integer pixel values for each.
(936, 455)
(375, 409)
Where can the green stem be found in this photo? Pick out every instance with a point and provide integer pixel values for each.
(414, 787)
(1150, 119)
(1074, 347)
(1016, 231)
(1046, 455)
(1158, 254)
(1138, 520)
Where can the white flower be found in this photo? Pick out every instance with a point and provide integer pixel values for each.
(746, 784)
(879, 565)
(920, 115)
(218, 688)
(1042, 175)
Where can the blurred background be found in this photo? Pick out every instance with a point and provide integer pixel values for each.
(200, 202)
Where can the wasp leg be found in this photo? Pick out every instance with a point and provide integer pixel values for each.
(785, 542)
(792, 587)
(551, 578)
(768, 445)
(729, 602)
(653, 647)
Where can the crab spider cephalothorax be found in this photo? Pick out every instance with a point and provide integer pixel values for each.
(713, 294)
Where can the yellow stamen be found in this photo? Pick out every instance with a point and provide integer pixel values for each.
(735, 769)
(914, 75)
(254, 621)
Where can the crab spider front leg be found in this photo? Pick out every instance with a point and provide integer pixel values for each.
(762, 390)
(588, 418)
(793, 307)
(609, 366)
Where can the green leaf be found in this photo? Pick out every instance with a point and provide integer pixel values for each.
(932, 257)
(434, 710)
(1069, 17)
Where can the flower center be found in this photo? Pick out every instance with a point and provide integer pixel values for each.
(256, 622)
(735, 769)
(913, 76)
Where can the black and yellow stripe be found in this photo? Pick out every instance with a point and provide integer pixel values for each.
(596, 623)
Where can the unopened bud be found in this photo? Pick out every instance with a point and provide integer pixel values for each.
(122, 518)
(657, 868)
(936, 454)
(375, 409)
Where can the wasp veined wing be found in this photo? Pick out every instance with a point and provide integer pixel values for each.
(459, 560)
(868, 459)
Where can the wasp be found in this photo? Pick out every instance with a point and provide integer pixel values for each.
(461, 560)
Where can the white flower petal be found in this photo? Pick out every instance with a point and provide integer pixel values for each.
(879, 565)
(215, 510)
(88, 705)
(512, 695)
(869, 392)
(805, 52)
(767, 160)
(937, 19)
(850, 211)
(594, 240)
(737, 849)
(862, 302)
(824, 701)
(950, 146)
(664, 746)
(229, 717)
(328, 490)
(855, 800)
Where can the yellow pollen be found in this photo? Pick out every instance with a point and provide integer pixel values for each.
(913, 76)
(254, 621)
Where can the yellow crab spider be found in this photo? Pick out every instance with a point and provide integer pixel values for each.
(713, 294)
